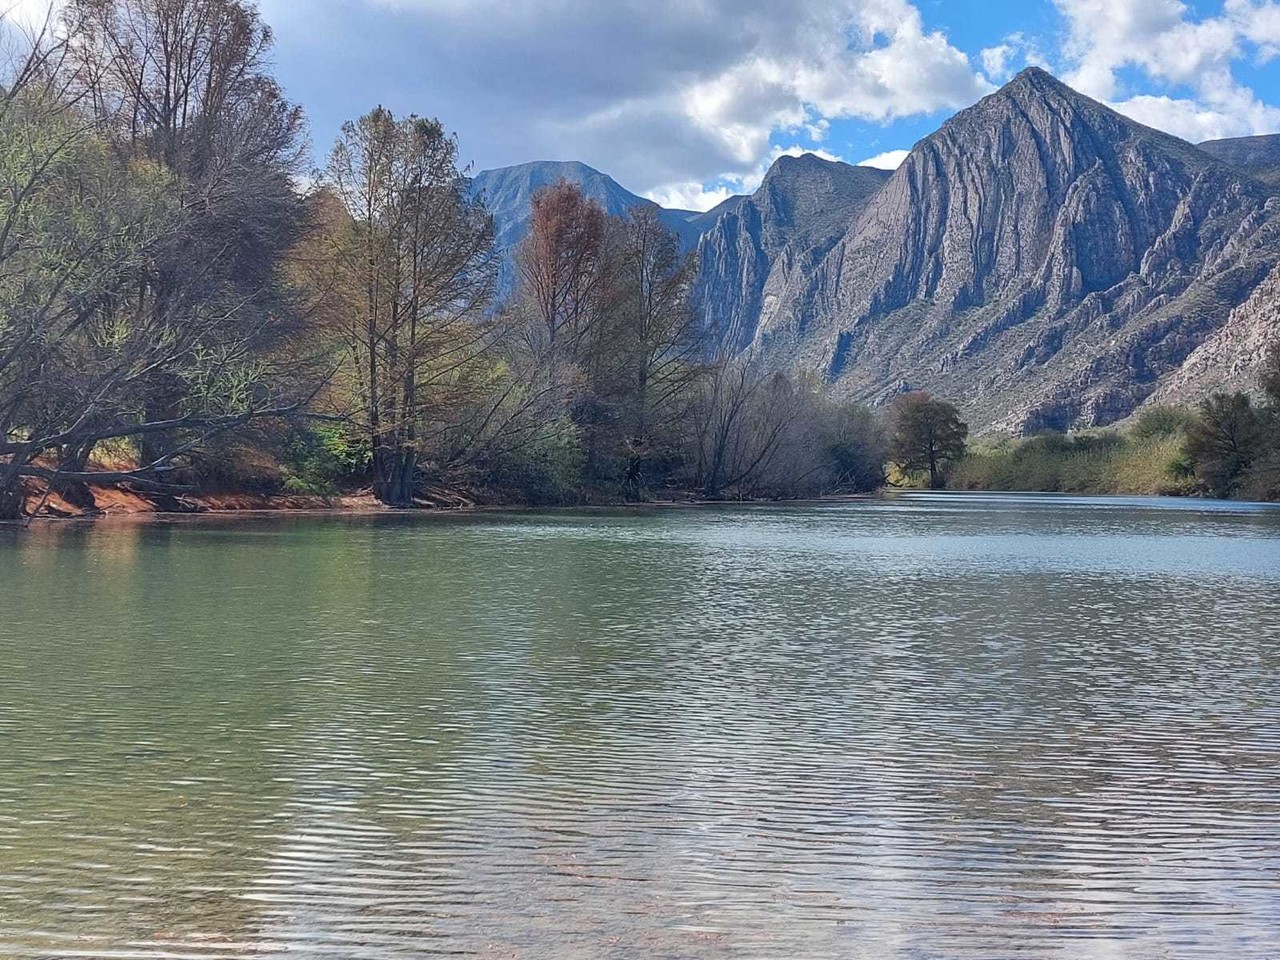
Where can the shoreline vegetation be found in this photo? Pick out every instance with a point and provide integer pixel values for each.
(188, 316)
(191, 320)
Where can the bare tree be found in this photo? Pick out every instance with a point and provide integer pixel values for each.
(739, 423)
(659, 337)
(561, 264)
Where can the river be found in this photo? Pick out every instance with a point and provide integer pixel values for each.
(970, 727)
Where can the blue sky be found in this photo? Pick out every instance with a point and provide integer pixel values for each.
(688, 100)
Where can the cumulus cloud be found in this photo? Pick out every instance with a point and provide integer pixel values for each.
(691, 195)
(661, 94)
(1170, 46)
(1014, 52)
(889, 160)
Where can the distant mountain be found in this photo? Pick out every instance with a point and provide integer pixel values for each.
(1257, 156)
(1041, 259)
(754, 249)
(508, 194)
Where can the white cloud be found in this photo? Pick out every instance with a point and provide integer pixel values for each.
(670, 93)
(1014, 52)
(690, 196)
(1163, 40)
(1259, 23)
(995, 61)
(29, 14)
(889, 160)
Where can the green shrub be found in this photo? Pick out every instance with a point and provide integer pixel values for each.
(323, 460)
(1160, 422)
(548, 469)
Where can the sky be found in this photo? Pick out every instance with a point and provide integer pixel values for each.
(689, 101)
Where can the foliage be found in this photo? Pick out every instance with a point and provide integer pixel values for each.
(1158, 422)
(1096, 464)
(415, 261)
(928, 436)
(150, 162)
(324, 460)
(1224, 441)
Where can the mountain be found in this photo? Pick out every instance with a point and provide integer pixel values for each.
(508, 192)
(1257, 156)
(1041, 259)
(752, 251)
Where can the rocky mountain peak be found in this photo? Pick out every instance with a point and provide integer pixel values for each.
(1030, 255)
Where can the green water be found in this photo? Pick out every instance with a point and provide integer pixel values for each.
(933, 727)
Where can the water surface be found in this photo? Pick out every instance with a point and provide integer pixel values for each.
(933, 727)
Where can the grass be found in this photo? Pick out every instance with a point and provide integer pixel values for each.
(1103, 463)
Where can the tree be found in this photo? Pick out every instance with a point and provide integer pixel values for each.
(417, 263)
(739, 422)
(1223, 441)
(928, 434)
(659, 337)
(186, 85)
(856, 446)
(560, 265)
(1269, 377)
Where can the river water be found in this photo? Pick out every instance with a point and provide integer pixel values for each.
(925, 727)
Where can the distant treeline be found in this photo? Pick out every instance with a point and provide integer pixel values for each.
(178, 312)
(1227, 446)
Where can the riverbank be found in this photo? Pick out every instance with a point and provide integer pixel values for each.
(121, 502)
(1107, 464)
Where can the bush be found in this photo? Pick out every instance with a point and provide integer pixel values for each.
(548, 469)
(1162, 422)
(323, 460)
(1105, 463)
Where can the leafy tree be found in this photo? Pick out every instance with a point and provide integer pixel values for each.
(186, 86)
(1223, 441)
(928, 434)
(417, 265)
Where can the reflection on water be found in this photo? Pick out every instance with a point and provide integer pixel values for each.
(933, 727)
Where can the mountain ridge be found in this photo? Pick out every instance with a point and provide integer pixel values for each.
(1030, 258)
(1042, 259)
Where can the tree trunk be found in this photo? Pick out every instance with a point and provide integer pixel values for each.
(75, 492)
(10, 497)
(395, 472)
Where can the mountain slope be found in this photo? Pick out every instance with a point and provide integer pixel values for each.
(751, 253)
(1041, 258)
(508, 192)
(1257, 156)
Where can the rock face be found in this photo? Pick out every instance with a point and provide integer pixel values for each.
(508, 192)
(1041, 259)
(1231, 356)
(1257, 156)
(753, 253)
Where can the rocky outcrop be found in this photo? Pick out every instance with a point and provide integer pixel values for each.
(753, 253)
(1257, 156)
(1041, 259)
(1231, 356)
